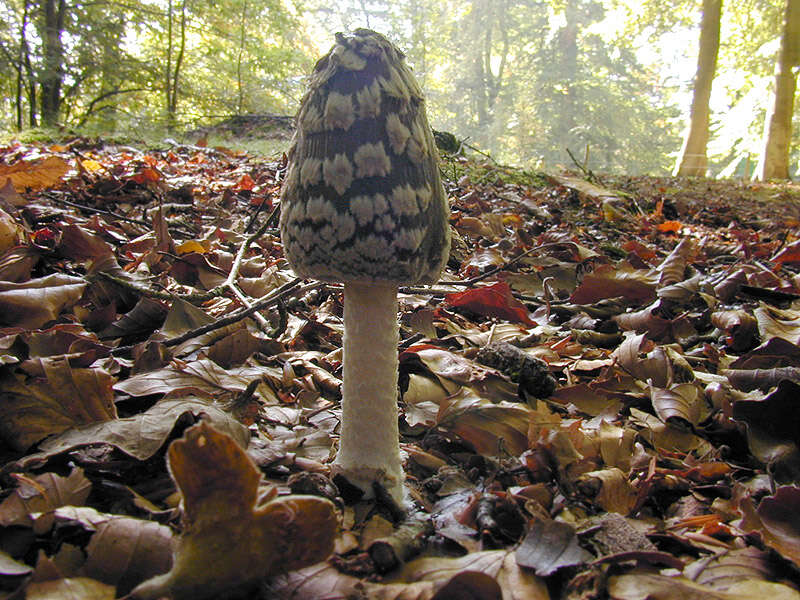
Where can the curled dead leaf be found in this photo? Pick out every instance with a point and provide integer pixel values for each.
(227, 541)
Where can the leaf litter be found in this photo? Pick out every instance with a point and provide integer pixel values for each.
(597, 399)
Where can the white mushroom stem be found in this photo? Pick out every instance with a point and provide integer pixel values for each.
(369, 447)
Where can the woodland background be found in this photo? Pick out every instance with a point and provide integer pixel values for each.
(612, 81)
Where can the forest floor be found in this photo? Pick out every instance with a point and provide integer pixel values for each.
(598, 399)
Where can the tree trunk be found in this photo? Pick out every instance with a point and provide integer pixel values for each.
(242, 39)
(692, 159)
(774, 160)
(51, 76)
(172, 109)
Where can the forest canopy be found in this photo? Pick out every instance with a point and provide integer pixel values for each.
(606, 85)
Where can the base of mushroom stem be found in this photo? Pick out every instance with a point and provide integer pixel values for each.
(366, 478)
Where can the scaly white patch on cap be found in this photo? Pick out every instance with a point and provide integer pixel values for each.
(369, 101)
(379, 204)
(404, 201)
(374, 246)
(417, 148)
(424, 196)
(384, 223)
(338, 173)
(310, 172)
(319, 210)
(306, 238)
(310, 119)
(397, 132)
(408, 239)
(348, 59)
(363, 209)
(372, 160)
(338, 111)
(344, 225)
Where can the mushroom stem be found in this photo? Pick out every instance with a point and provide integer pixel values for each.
(369, 447)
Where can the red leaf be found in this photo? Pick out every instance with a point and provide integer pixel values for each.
(492, 301)
(245, 183)
(789, 254)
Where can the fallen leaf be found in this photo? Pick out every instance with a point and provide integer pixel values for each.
(35, 174)
(76, 588)
(549, 546)
(777, 520)
(494, 300)
(227, 541)
(35, 302)
(142, 435)
(637, 287)
(42, 494)
(33, 408)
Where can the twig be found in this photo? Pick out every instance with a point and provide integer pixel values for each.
(230, 282)
(93, 210)
(586, 172)
(149, 292)
(275, 296)
(409, 539)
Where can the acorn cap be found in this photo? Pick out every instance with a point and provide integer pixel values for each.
(363, 200)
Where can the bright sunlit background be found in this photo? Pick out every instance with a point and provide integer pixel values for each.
(541, 84)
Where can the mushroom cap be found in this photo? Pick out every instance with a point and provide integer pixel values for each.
(362, 200)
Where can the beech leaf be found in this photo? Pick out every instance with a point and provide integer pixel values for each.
(227, 541)
(493, 300)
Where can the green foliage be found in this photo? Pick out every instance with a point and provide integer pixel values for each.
(523, 80)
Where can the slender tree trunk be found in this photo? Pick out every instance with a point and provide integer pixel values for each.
(774, 160)
(568, 44)
(52, 74)
(21, 55)
(168, 67)
(692, 159)
(173, 108)
(242, 31)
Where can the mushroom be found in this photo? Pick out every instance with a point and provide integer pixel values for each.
(363, 204)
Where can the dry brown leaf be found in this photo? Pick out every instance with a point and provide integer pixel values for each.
(77, 588)
(681, 405)
(672, 268)
(776, 322)
(33, 408)
(43, 494)
(227, 541)
(741, 327)
(777, 520)
(490, 428)
(659, 587)
(35, 174)
(616, 445)
(516, 583)
(35, 302)
(203, 375)
(79, 244)
(637, 287)
(124, 552)
(549, 546)
(10, 232)
(142, 435)
(654, 366)
(609, 489)
(234, 349)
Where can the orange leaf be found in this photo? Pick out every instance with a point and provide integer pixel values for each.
(245, 183)
(670, 227)
(36, 174)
